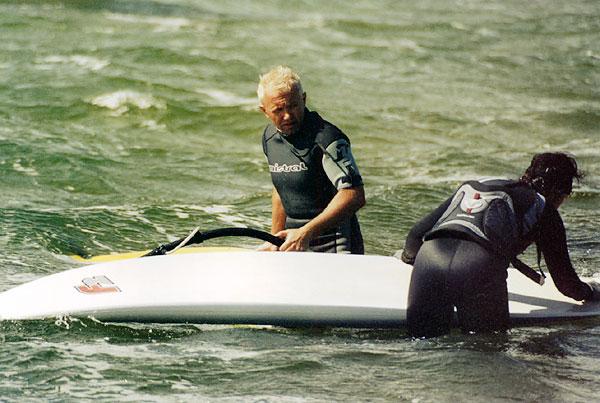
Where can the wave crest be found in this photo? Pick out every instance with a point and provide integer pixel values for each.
(87, 62)
(121, 101)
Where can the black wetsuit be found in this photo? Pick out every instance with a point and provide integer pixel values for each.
(454, 271)
(307, 170)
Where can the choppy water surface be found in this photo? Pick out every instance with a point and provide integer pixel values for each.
(124, 124)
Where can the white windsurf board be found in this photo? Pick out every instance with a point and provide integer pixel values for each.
(248, 287)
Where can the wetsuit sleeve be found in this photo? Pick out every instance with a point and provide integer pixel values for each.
(414, 240)
(553, 245)
(340, 166)
(264, 141)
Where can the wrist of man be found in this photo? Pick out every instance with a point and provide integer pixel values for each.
(315, 227)
(309, 230)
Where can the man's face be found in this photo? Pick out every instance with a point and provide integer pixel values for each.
(285, 110)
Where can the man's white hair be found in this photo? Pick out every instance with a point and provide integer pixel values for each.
(277, 80)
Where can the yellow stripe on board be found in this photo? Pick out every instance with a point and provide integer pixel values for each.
(134, 254)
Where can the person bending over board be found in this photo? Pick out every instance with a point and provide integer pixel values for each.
(461, 251)
(317, 188)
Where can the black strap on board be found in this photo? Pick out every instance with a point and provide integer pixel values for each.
(200, 237)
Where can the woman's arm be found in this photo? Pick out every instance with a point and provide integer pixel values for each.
(414, 240)
(553, 245)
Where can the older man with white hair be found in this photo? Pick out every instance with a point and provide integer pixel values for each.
(317, 188)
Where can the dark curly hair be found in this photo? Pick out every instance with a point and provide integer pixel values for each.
(552, 174)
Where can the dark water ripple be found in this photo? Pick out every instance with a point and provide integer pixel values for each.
(320, 364)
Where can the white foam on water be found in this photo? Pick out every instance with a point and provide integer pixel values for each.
(181, 214)
(488, 33)
(161, 24)
(230, 354)
(459, 26)
(311, 22)
(153, 125)
(588, 53)
(100, 244)
(231, 220)
(102, 347)
(224, 214)
(87, 62)
(87, 231)
(224, 98)
(120, 101)
(138, 215)
(87, 208)
(214, 209)
(408, 44)
(24, 170)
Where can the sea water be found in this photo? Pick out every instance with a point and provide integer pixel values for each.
(125, 124)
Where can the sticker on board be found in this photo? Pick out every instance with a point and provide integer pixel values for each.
(97, 284)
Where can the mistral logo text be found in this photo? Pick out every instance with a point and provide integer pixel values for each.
(288, 168)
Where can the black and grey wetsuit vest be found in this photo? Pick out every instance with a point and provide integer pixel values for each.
(499, 214)
(297, 169)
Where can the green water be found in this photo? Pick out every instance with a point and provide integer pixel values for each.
(124, 124)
